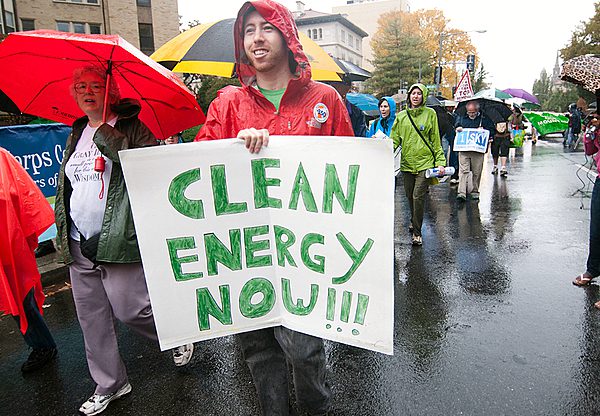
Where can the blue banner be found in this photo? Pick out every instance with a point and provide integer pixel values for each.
(39, 149)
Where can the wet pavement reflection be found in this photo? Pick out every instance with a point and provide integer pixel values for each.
(486, 319)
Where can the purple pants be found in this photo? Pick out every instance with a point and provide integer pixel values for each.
(103, 293)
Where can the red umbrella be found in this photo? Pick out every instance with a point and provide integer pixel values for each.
(37, 68)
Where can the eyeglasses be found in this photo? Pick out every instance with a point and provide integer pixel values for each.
(81, 87)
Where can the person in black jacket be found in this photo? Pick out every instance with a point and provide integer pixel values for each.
(471, 162)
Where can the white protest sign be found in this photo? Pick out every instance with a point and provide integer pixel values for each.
(299, 235)
(464, 89)
(471, 140)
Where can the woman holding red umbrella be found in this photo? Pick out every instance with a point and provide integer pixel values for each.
(97, 234)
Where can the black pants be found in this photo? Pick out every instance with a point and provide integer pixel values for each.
(37, 335)
(267, 353)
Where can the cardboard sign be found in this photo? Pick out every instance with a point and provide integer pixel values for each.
(471, 140)
(299, 235)
(464, 89)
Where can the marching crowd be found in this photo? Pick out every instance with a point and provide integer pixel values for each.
(95, 229)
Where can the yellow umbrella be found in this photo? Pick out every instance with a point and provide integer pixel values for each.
(209, 49)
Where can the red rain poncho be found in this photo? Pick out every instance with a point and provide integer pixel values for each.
(24, 215)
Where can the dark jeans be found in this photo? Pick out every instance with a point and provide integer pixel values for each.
(593, 261)
(267, 352)
(37, 334)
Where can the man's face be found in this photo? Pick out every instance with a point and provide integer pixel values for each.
(472, 110)
(416, 97)
(264, 45)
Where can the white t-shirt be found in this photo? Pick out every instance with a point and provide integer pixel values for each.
(90, 188)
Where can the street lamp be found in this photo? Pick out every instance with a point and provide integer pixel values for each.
(438, 71)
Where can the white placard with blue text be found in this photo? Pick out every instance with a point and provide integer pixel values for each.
(299, 235)
(471, 140)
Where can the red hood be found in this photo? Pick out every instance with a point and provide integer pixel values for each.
(280, 17)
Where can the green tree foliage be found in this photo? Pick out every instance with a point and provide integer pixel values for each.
(586, 39)
(541, 86)
(559, 100)
(208, 86)
(554, 99)
(397, 55)
(479, 79)
(408, 42)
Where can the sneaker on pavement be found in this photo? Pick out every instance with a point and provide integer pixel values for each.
(183, 354)
(461, 197)
(98, 402)
(417, 240)
(453, 181)
(495, 170)
(38, 358)
(475, 196)
(503, 172)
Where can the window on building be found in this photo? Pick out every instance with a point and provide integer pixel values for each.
(63, 26)
(27, 24)
(314, 36)
(343, 36)
(79, 27)
(95, 29)
(309, 33)
(320, 33)
(143, 3)
(146, 38)
(351, 40)
(9, 21)
(77, 1)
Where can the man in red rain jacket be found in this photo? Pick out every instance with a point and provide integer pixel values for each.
(24, 215)
(277, 96)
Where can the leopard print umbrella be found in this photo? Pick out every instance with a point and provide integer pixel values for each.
(583, 70)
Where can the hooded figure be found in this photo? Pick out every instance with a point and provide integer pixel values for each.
(24, 216)
(278, 97)
(306, 108)
(416, 130)
(384, 124)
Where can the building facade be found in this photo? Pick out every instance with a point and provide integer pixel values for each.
(338, 36)
(365, 14)
(147, 24)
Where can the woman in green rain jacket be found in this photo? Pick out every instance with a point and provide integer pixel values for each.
(416, 130)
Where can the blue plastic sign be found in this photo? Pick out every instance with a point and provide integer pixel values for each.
(471, 140)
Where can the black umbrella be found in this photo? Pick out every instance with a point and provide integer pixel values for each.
(495, 110)
(352, 72)
(445, 120)
(7, 105)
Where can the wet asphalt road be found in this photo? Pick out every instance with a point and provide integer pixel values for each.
(487, 320)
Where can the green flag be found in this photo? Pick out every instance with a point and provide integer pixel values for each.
(546, 123)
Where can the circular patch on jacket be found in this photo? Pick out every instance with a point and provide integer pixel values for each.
(321, 113)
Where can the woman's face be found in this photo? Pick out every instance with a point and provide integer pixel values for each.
(89, 94)
(384, 108)
(416, 97)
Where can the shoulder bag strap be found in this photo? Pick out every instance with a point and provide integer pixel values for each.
(421, 136)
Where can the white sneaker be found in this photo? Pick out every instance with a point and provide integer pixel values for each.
(183, 354)
(98, 402)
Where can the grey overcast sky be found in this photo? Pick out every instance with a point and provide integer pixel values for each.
(522, 36)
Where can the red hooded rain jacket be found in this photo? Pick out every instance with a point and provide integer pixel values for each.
(307, 107)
